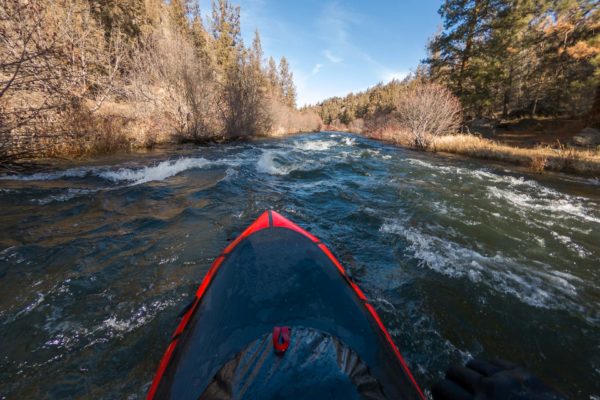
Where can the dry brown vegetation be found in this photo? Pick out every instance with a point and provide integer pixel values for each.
(538, 159)
(286, 120)
(428, 116)
(87, 76)
(583, 162)
(425, 110)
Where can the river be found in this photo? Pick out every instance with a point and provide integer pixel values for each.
(461, 258)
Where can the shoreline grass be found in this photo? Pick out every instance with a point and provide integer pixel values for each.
(583, 162)
(565, 159)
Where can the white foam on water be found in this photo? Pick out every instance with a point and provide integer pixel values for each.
(158, 172)
(138, 318)
(503, 274)
(268, 164)
(51, 176)
(66, 196)
(133, 175)
(561, 206)
(348, 141)
(523, 193)
(229, 173)
(315, 145)
(574, 247)
(70, 334)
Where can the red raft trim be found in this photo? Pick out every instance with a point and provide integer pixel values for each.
(164, 362)
(266, 220)
(262, 222)
(282, 222)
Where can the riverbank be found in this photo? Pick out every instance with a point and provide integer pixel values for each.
(124, 127)
(578, 161)
(79, 80)
(538, 159)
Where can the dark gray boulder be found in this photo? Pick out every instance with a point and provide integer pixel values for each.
(588, 137)
(484, 127)
(527, 124)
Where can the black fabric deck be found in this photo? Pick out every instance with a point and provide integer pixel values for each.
(276, 277)
(317, 365)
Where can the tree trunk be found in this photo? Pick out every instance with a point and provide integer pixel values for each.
(507, 92)
(594, 113)
(473, 19)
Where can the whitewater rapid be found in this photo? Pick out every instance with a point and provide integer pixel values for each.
(460, 257)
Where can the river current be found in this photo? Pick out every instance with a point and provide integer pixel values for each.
(461, 258)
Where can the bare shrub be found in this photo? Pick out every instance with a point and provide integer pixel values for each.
(286, 120)
(244, 105)
(427, 110)
(538, 163)
(53, 58)
(169, 80)
(386, 127)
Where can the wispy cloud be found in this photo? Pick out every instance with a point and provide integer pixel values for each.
(316, 69)
(335, 23)
(389, 75)
(384, 72)
(331, 57)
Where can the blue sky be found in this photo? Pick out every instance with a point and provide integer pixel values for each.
(337, 47)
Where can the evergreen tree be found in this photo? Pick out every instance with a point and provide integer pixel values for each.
(517, 57)
(256, 53)
(288, 89)
(459, 53)
(225, 27)
(199, 35)
(273, 78)
(179, 11)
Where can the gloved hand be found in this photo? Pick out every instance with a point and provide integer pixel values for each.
(496, 380)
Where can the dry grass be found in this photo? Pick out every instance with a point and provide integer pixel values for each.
(564, 159)
(286, 120)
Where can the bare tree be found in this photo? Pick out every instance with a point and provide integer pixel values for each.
(428, 109)
(54, 57)
(169, 79)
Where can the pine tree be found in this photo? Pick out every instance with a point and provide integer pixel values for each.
(288, 89)
(199, 35)
(459, 51)
(273, 78)
(179, 11)
(225, 28)
(256, 53)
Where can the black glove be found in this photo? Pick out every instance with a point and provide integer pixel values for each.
(496, 380)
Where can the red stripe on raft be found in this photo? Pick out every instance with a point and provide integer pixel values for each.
(261, 222)
(396, 351)
(282, 222)
(186, 318)
(161, 369)
(335, 262)
(374, 314)
(209, 276)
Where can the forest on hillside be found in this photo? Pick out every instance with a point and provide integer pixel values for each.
(86, 76)
(504, 59)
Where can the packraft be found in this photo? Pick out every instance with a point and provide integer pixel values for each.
(278, 317)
